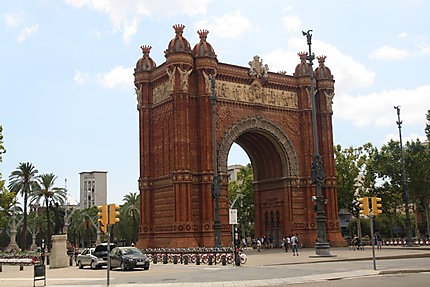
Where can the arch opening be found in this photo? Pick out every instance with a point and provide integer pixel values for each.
(272, 163)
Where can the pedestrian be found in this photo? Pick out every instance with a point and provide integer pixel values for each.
(295, 244)
(258, 242)
(378, 240)
(287, 243)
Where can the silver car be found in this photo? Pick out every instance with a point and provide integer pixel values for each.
(93, 257)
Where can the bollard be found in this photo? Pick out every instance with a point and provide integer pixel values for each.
(70, 260)
(1, 267)
(154, 258)
(175, 259)
(165, 259)
(210, 259)
(185, 259)
(223, 260)
(21, 267)
(198, 259)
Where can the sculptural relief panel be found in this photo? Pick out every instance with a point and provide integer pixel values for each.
(255, 93)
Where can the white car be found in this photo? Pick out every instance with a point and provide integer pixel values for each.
(93, 257)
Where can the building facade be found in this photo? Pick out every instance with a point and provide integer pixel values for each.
(93, 188)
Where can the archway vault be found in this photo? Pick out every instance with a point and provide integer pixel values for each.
(268, 147)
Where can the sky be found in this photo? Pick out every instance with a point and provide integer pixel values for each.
(67, 101)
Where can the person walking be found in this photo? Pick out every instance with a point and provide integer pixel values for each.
(258, 245)
(378, 240)
(295, 244)
(287, 242)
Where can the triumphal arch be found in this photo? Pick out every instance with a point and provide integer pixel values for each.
(267, 113)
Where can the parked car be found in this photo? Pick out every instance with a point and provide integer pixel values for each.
(128, 258)
(94, 257)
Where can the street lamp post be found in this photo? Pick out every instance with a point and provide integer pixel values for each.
(405, 192)
(322, 248)
(215, 186)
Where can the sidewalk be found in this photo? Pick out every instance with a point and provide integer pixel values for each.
(211, 275)
(307, 255)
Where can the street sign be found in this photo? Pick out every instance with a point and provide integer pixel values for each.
(233, 216)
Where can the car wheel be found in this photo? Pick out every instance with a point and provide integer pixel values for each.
(123, 267)
(93, 265)
(80, 264)
(146, 268)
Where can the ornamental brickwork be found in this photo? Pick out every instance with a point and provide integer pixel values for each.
(268, 114)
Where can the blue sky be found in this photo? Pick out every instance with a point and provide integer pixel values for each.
(67, 95)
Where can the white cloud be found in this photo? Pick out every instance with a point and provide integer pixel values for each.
(387, 53)
(348, 73)
(423, 48)
(405, 138)
(402, 35)
(292, 23)
(378, 108)
(81, 78)
(230, 25)
(12, 20)
(116, 77)
(23, 35)
(125, 14)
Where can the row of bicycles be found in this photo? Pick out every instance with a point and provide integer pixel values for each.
(394, 242)
(200, 255)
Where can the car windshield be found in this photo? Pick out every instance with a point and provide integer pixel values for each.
(130, 251)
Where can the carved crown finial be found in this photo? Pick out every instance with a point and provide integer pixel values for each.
(203, 34)
(145, 49)
(321, 59)
(179, 28)
(302, 56)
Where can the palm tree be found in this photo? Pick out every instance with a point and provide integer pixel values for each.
(131, 208)
(22, 181)
(45, 191)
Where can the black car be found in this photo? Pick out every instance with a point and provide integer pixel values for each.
(128, 258)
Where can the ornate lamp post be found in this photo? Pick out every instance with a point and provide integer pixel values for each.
(322, 248)
(405, 192)
(215, 186)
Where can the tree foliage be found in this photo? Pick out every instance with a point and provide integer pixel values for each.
(46, 192)
(22, 181)
(242, 189)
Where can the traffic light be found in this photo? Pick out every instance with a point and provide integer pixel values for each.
(376, 206)
(113, 213)
(364, 205)
(103, 217)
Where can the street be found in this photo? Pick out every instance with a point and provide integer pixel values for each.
(394, 280)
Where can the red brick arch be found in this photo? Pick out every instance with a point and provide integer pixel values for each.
(267, 114)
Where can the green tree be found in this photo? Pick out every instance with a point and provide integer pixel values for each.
(389, 172)
(352, 166)
(243, 189)
(417, 165)
(131, 208)
(7, 201)
(22, 181)
(427, 128)
(83, 227)
(46, 192)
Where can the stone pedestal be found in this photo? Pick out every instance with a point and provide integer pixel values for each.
(59, 258)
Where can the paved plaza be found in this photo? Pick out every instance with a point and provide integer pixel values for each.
(265, 268)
